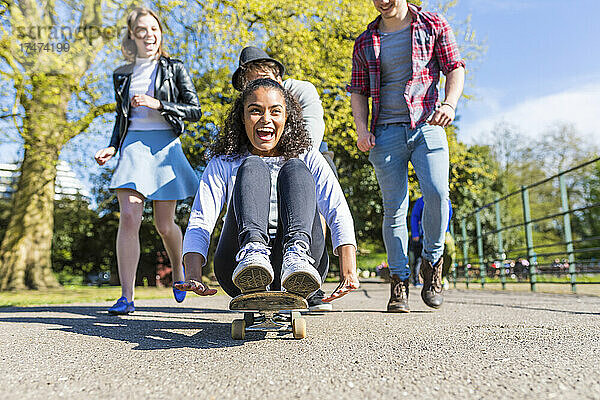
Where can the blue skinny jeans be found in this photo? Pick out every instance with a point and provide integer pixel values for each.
(247, 219)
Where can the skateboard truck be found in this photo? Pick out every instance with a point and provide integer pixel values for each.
(268, 305)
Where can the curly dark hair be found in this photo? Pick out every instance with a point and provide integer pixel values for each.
(232, 140)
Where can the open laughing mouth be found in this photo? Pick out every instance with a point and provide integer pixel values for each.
(265, 134)
(386, 8)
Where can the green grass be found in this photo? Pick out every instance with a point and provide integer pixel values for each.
(78, 294)
(567, 279)
(540, 279)
(370, 256)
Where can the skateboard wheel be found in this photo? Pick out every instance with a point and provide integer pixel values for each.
(295, 315)
(238, 329)
(249, 318)
(299, 328)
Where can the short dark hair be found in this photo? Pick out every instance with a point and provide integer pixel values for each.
(232, 140)
(260, 66)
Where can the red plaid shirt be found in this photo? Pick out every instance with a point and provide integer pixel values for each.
(434, 48)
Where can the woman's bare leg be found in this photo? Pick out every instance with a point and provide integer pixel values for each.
(169, 231)
(131, 206)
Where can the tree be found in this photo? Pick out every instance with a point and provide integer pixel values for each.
(56, 97)
(586, 224)
(314, 39)
(528, 162)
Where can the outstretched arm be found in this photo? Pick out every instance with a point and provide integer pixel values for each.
(193, 263)
(349, 278)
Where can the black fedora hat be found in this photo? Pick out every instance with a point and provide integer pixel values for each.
(250, 54)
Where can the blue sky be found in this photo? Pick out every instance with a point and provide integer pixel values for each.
(542, 66)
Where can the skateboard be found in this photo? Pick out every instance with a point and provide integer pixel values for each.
(262, 313)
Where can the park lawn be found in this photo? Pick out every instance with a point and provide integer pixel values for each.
(580, 278)
(370, 256)
(79, 294)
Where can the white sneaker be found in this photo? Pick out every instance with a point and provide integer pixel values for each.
(316, 303)
(297, 272)
(254, 271)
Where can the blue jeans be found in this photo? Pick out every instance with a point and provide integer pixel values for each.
(426, 147)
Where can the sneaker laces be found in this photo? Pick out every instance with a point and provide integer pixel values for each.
(298, 252)
(251, 250)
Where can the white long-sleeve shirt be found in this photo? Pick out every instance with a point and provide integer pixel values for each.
(312, 110)
(216, 188)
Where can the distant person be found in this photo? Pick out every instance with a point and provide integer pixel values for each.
(416, 230)
(154, 96)
(521, 268)
(397, 62)
(255, 63)
(415, 248)
(262, 155)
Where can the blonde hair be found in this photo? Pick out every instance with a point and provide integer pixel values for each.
(128, 47)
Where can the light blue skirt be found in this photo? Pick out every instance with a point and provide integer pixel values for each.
(153, 164)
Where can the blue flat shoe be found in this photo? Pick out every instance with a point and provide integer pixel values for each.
(122, 307)
(179, 294)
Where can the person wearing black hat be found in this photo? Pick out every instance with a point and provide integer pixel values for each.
(255, 63)
(263, 147)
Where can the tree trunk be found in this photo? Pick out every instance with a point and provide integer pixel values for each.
(25, 253)
(25, 260)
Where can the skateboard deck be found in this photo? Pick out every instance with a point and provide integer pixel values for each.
(267, 305)
(267, 301)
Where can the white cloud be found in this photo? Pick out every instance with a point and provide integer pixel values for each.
(579, 106)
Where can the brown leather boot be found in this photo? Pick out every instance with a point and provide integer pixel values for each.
(398, 295)
(432, 283)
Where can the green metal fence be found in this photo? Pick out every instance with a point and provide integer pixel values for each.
(505, 243)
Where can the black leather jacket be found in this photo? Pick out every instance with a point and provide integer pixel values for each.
(173, 87)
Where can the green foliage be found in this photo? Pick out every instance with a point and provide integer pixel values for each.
(104, 233)
(526, 163)
(53, 98)
(76, 248)
(474, 182)
(314, 40)
(586, 224)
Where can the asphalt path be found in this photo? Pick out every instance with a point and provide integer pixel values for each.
(480, 345)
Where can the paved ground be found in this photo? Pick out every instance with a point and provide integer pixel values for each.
(480, 345)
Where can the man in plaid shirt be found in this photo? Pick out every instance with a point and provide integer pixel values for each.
(397, 62)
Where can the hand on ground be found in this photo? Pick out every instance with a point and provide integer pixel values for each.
(346, 286)
(197, 287)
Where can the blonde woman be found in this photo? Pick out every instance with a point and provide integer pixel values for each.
(154, 96)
